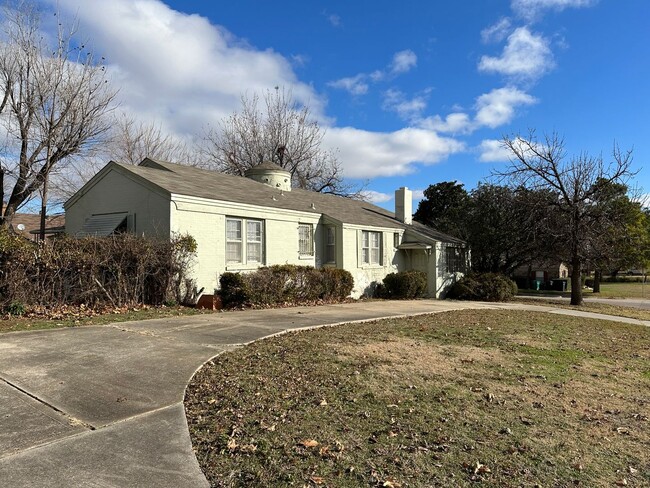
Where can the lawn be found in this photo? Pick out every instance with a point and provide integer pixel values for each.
(78, 316)
(623, 290)
(464, 398)
(595, 307)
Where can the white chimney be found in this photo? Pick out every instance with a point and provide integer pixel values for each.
(404, 205)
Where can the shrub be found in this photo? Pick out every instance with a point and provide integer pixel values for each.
(234, 292)
(284, 284)
(403, 285)
(489, 287)
(337, 283)
(120, 270)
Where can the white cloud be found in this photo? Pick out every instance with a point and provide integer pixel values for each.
(373, 196)
(496, 32)
(179, 69)
(418, 194)
(492, 151)
(454, 123)
(531, 9)
(365, 154)
(498, 106)
(403, 61)
(355, 85)
(526, 56)
(407, 109)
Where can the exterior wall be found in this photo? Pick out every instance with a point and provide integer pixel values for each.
(205, 220)
(148, 211)
(440, 280)
(366, 276)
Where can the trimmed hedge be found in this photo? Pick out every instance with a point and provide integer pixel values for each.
(488, 287)
(284, 284)
(403, 285)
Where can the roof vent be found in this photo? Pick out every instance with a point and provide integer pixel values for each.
(270, 174)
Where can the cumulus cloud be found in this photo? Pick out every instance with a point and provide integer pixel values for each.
(407, 109)
(366, 154)
(498, 106)
(403, 61)
(492, 151)
(355, 85)
(526, 56)
(454, 123)
(531, 9)
(496, 32)
(180, 69)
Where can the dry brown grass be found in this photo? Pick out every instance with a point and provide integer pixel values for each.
(465, 398)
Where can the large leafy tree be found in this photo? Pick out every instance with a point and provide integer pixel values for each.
(505, 227)
(444, 207)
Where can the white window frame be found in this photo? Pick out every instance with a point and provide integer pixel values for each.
(305, 241)
(371, 248)
(245, 240)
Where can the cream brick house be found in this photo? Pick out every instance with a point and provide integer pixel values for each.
(241, 224)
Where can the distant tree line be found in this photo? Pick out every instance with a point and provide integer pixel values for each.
(546, 206)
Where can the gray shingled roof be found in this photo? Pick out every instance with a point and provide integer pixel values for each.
(186, 180)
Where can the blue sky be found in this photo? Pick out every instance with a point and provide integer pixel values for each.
(411, 93)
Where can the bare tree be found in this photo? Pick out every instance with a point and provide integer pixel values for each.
(285, 134)
(131, 141)
(576, 183)
(55, 101)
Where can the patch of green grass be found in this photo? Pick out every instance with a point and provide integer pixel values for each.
(13, 324)
(604, 308)
(496, 398)
(624, 290)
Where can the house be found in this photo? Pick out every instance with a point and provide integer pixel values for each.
(539, 274)
(28, 225)
(242, 223)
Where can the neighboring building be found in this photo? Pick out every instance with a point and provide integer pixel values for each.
(542, 272)
(29, 225)
(241, 223)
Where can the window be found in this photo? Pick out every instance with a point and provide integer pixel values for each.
(455, 259)
(330, 245)
(305, 240)
(370, 247)
(237, 241)
(395, 239)
(254, 241)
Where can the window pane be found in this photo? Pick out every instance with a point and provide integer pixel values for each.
(366, 239)
(331, 236)
(374, 242)
(254, 231)
(305, 242)
(374, 256)
(233, 230)
(254, 252)
(233, 252)
(365, 256)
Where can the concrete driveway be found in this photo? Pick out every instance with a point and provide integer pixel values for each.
(102, 406)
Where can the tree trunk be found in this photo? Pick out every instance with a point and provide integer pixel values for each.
(576, 282)
(598, 276)
(41, 233)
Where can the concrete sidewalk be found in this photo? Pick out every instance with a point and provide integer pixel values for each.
(102, 406)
